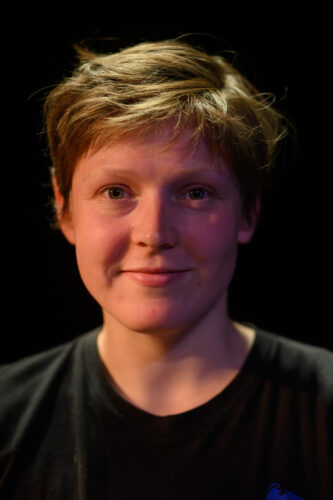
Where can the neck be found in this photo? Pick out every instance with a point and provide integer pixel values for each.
(169, 373)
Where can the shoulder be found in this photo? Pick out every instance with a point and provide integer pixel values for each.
(292, 363)
(31, 385)
(35, 392)
(35, 369)
(30, 371)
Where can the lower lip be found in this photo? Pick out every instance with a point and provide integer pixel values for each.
(155, 279)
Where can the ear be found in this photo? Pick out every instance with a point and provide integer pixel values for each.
(248, 227)
(65, 220)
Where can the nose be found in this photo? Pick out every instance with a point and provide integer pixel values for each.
(154, 223)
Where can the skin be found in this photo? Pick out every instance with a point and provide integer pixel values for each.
(136, 211)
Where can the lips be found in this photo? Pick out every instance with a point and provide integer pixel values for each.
(155, 277)
(159, 270)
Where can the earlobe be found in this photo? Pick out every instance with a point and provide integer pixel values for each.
(65, 220)
(248, 227)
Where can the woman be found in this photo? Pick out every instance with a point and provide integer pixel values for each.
(160, 153)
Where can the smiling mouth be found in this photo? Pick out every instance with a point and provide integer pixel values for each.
(155, 277)
(157, 270)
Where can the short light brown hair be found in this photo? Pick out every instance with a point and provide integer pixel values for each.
(111, 96)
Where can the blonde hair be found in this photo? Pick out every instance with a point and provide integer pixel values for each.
(111, 96)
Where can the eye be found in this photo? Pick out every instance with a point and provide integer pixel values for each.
(197, 193)
(115, 193)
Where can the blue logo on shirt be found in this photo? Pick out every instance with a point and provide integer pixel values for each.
(277, 493)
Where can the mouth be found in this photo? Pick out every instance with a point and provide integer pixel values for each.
(155, 277)
(158, 270)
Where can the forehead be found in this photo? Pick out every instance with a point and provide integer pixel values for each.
(160, 148)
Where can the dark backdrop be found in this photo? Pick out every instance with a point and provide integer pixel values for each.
(283, 281)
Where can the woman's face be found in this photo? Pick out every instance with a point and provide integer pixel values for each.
(156, 231)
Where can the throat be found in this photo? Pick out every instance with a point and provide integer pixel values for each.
(183, 379)
(176, 400)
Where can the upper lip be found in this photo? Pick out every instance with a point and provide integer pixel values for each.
(156, 270)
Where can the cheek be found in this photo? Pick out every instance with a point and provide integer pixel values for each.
(214, 238)
(99, 242)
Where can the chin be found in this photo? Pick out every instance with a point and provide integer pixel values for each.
(154, 325)
(152, 321)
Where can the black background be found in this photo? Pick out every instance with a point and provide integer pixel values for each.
(283, 280)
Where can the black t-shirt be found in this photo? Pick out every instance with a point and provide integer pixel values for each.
(65, 433)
